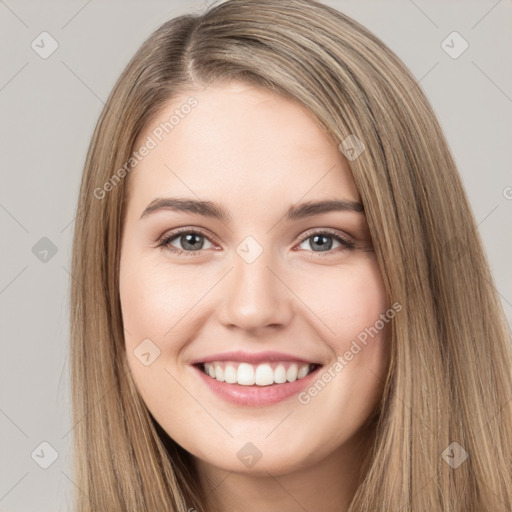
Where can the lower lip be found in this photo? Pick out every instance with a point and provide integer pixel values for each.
(256, 395)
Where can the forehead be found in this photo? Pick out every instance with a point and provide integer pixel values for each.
(232, 141)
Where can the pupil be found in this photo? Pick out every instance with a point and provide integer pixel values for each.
(323, 246)
(324, 243)
(189, 240)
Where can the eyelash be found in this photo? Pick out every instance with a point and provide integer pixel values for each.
(168, 238)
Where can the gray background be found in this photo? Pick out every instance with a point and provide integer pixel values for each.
(48, 111)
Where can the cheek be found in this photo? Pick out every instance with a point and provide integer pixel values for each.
(155, 302)
(354, 318)
(334, 304)
(159, 304)
(346, 300)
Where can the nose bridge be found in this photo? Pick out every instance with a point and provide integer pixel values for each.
(255, 297)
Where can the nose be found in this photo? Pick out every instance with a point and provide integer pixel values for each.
(256, 296)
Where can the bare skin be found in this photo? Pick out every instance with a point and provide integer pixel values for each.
(254, 154)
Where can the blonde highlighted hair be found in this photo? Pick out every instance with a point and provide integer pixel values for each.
(450, 377)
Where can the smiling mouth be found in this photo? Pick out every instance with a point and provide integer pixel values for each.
(265, 374)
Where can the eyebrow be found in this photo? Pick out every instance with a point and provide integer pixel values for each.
(209, 209)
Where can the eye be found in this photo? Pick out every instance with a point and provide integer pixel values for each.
(191, 242)
(323, 241)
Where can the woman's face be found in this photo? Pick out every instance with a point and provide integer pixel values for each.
(272, 286)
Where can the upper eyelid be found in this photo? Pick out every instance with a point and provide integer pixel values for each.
(167, 238)
(180, 231)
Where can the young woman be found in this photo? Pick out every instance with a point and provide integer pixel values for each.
(280, 298)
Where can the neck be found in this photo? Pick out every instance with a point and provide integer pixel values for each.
(328, 485)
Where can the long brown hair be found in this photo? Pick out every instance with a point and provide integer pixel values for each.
(450, 376)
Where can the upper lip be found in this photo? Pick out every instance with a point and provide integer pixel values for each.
(252, 357)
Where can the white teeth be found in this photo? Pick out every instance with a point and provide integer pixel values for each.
(245, 374)
(303, 371)
(264, 374)
(291, 373)
(280, 375)
(230, 374)
(219, 373)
